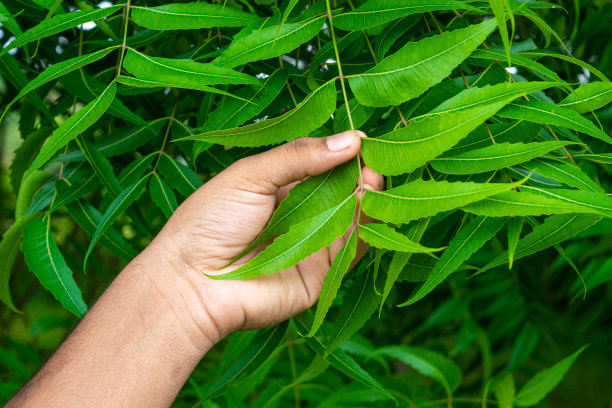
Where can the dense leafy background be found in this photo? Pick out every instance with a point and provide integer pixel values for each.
(118, 161)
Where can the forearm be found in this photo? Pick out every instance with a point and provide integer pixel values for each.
(136, 347)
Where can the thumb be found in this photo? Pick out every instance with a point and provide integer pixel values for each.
(298, 159)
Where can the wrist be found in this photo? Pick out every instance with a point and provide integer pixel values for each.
(176, 292)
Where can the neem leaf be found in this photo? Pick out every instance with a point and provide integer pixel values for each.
(260, 349)
(589, 97)
(554, 230)
(308, 199)
(544, 381)
(57, 70)
(385, 237)
(45, 260)
(513, 203)
(182, 72)
(417, 66)
(302, 240)
(268, 43)
(73, 126)
(494, 157)
(309, 115)
(377, 12)
(410, 147)
(9, 247)
(162, 195)
(119, 204)
(428, 363)
(59, 23)
(421, 198)
(185, 16)
(551, 114)
(333, 280)
(467, 241)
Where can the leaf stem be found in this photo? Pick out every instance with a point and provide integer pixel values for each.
(348, 109)
(126, 18)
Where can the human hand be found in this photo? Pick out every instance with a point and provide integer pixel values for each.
(225, 215)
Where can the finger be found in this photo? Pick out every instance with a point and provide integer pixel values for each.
(293, 161)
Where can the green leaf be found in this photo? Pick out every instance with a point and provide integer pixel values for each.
(377, 12)
(333, 280)
(601, 203)
(56, 71)
(9, 247)
(101, 166)
(551, 114)
(25, 154)
(499, 10)
(524, 345)
(260, 349)
(544, 381)
(68, 192)
(170, 83)
(89, 218)
(162, 195)
(385, 237)
(554, 230)
(421, 198)
(87, 88)
(520, 61)
(11, 71)
(133, 171)
(178, 176)
(428, 363)
(515, 227)
(31, 186)
(422, 140)
(568, 58)
(494, 157)
(232, 113)
(603, 158)
(308, 199)
(182, 72)
(417, 66)
(302, 240)
(185, 16)
(475, 97)
(309, 115)
(467, 241)
(268, 43)
(589, 97)
(342, 362)
(524, 203)
(358, 304)
(359, 114)
(119, 204)
(121, 140)
(392, 33)
(59, 23)
(505, 392)
(565, 173)
(45, 260)
(73, 126)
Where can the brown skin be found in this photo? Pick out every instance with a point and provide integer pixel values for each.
(147, 332)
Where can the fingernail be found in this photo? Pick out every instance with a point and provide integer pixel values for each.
(341, 141)
(361, 134)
